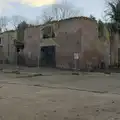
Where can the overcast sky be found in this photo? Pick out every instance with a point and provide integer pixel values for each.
(32, 8)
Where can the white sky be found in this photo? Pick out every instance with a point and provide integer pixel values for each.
(38, 2)
(5, 4)
(26, 7)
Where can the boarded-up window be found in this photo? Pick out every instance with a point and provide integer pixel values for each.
(48, 32)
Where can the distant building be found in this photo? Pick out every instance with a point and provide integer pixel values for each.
(56, 43)
(7, 46)
(115, 49)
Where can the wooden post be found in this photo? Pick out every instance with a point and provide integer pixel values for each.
(76, 57)
(39, 49)
(16, 57)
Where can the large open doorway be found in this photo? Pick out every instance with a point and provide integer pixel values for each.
(48, 56)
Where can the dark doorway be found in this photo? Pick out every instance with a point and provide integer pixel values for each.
(19, 46)
(48, 56)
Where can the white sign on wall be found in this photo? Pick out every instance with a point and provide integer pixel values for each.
(76, 56)
(29, 54)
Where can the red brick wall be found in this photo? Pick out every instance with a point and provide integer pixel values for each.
(32, 45)
(68, 45)
(78, 37)
(74, 35)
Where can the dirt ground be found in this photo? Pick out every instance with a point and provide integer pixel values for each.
(93, 96)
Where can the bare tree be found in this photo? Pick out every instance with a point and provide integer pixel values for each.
(16, 20)
(60, 11)
(37, 21)
(47, 18)
(3, 23)
(92, 17)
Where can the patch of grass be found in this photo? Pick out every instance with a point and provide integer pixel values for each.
(30, 75)
(75, 73)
